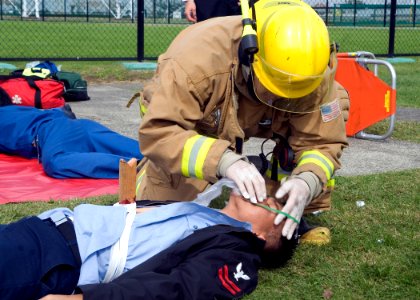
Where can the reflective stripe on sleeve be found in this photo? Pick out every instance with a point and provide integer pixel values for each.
(319, 159)
(139, 180)
(195, 152)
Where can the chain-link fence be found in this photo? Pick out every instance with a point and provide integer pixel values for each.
(143, 29)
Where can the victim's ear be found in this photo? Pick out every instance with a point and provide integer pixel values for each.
(261, 236)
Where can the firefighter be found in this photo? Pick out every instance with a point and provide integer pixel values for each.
(213, 89)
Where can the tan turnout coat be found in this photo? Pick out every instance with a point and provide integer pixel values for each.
(199, 88)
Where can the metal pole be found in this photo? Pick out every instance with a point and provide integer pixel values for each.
(385, 5)
(354, 13)
(154, 11)
(1, 10)
(140, 30)
(109, 11)
(87, 10)
(169, 12)
(414, 13)
(65, 10)
(392, 28)
(326, 14)
(43, 10)
(132, 11)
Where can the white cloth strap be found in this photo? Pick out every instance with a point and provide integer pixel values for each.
(119, 250)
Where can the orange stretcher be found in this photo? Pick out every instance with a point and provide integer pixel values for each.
(371, 99)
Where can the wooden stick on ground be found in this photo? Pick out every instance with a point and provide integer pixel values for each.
(127, 181)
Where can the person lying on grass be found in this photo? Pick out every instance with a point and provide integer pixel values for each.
(182, 250)
(66, 147)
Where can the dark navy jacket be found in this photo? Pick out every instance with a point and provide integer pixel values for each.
(218, 262)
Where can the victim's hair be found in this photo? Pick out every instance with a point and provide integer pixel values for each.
(271, 259)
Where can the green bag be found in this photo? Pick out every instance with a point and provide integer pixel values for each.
(75, 86)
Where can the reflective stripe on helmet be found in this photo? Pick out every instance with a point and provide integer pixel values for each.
(316, 157)
(195, 152)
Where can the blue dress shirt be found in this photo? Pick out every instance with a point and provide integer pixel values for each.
(99, 227)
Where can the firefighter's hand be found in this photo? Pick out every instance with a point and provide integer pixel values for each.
(249, 180)
(297, 195)
(190, 11)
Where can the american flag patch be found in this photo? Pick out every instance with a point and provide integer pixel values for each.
(330, 111)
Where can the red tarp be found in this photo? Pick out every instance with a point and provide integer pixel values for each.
(24, 180)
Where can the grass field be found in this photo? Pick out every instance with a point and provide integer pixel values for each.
(118, 40)
(374, 253)
(374, 249)
(82, 40)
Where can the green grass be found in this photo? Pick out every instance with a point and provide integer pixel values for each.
(81, 40)
(408, 83)
(59, 39)
(403, 130)
(14, 211)
(374, 250)
(375, 39)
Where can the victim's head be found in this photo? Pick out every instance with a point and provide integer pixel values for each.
(278, 250)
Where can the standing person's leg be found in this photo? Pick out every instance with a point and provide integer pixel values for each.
(35, 261)
(232, 7)
(206, 9)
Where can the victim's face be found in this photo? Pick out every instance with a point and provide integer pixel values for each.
(262, 220)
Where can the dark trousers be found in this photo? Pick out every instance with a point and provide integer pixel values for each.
(207, 9)
(35, 261)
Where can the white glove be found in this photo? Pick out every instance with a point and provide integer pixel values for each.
(250, 182)
(297, 193)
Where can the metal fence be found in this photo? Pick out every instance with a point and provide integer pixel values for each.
(143, 29)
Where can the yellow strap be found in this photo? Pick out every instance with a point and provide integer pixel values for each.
(319, 159)
(139, 180)
(194, 155)
(280, 172)
(143, 109)
(134, 97)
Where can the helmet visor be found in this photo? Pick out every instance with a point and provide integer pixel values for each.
(288, 92)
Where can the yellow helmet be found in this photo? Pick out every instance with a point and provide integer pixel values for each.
(294, 47)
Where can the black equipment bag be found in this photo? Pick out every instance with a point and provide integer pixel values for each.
(76, 87)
